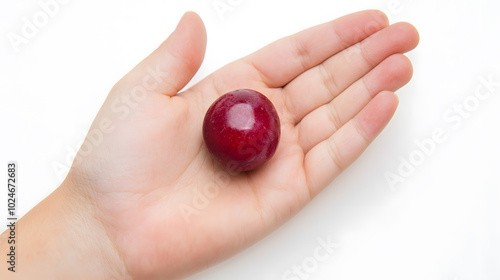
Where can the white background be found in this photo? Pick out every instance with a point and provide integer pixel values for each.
(440, 222)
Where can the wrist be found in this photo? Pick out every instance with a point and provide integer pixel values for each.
(61, 239)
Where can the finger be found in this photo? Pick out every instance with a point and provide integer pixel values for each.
(172, 65)
(321, 84)
(391, 74)
(285, 59)
(327, 159)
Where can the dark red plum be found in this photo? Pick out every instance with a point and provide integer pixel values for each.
(242, 129)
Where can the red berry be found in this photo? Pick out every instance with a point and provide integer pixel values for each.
(242, 129)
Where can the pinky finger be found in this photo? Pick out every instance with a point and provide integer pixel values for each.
(329, 158)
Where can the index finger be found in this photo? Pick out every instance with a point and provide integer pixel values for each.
(282, 61)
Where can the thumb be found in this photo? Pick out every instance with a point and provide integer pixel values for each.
(172, 65)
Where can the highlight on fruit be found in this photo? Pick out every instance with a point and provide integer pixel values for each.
(241, 129)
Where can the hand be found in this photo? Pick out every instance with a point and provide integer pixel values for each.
(165, 207)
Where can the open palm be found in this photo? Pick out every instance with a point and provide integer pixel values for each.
(168, 208)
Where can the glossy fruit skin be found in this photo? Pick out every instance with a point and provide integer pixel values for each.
(242, 129)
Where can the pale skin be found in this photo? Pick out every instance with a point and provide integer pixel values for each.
(128, 208)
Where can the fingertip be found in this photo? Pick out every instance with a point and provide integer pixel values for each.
(391, 74)
(388, 100)
(172, 65)
(191, 36)
(409, 67)
(397, 101)
(194, 19)
(380, 16)
(400, 69)
(408, 33)
(377, 114)
(185, 49)
(373, 20)
(414, 32)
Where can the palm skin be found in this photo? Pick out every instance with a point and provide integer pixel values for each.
(167, 207)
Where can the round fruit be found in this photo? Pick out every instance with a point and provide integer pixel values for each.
(242, 129)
